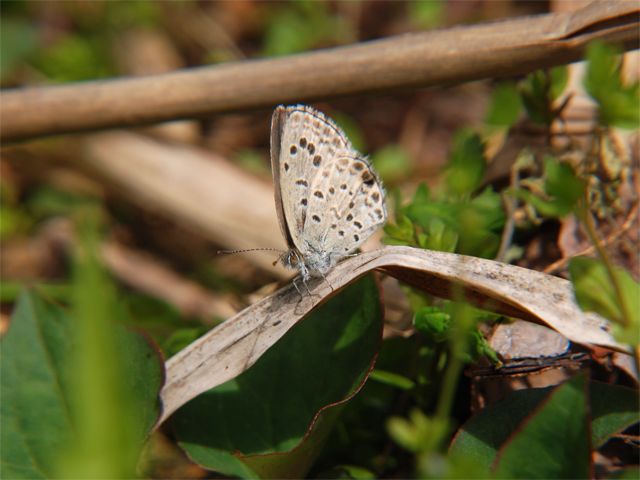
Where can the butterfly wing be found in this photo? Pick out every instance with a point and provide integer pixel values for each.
(303, 141)
(346, 206)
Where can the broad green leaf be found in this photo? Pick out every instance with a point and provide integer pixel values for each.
(477, 442)
(271, 407)
(38, 370)
(554, 442)
(613, 409)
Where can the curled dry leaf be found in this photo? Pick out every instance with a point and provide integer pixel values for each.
(232, 347)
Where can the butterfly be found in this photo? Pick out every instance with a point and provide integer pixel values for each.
(329, 200)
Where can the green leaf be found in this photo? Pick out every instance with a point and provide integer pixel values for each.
(554, 441)
(466, 164)
(392, 379)
(613, 409)
(432, 320)
(563, 186)
(473, 226)
(477, 442)
(539, 90)
(39, 371)
(559, 76)
(505, 105)
(619, 104)
(270, 408)
(10, 291)
(595, 292)
(403, 232)
(418, 433)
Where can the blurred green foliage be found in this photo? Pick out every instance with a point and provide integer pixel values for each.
(304, 25)
(619, 103)
(614, 296)
(427, 15)
(505, 104)
(540, 89)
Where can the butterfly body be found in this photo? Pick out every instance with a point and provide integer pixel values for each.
(328, 198)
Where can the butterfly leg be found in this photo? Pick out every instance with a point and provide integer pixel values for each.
(325, 279)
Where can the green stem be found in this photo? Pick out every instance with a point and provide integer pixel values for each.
(593, 236)
(449, 386)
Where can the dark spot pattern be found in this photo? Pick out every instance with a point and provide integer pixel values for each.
(375, 196)
(316, 160)
(334, 226)
(341, 233)
(349, 217)
(332, 190)
(357, 224)
(358, 166)
(286, 167)
(303, 142)
(302, 182)
(318, 194)
(343, 186)
(304, 202)
(351, 204)
(356, 238)
(312, 148)
(316, 218)
(293, 150)
(379, 213)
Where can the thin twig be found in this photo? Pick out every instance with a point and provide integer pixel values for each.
(555, 266)
(440, 57)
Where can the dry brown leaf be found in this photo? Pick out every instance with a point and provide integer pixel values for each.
(231, 348)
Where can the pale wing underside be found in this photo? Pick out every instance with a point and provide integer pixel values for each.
(346, 205)
(329, 200)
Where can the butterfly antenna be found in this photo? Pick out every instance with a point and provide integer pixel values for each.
(229, 252)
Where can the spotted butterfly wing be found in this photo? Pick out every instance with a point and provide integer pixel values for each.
(328, 198)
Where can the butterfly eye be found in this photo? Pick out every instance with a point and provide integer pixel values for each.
(293, 260)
